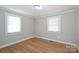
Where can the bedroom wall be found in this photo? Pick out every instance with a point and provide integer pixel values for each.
(78, 27)
(27, 28)
(38, 26)
(68, 27)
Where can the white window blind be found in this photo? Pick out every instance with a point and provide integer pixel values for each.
(13, 24)
(54, 23)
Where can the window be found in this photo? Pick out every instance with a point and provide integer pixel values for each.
(13, 24)
(54, 23)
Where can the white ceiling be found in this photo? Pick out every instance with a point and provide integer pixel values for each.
(46, 9)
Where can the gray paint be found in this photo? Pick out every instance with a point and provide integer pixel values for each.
(38, 26)
(27, 28)
(78, 27)
(68, 28)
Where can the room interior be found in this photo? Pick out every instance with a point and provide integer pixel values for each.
(39, 28)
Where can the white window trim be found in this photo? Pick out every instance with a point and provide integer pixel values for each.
(6, 14)
(60, 27)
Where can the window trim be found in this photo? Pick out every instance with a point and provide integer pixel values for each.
(11, 14)
(58, 26)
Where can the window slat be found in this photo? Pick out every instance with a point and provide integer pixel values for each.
(54, 23)
(13, 24)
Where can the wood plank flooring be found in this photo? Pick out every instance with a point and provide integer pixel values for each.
(38, 45)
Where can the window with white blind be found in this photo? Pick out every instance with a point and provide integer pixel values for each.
(54, 24)
(13, 24)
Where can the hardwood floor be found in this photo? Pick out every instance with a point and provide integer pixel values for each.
(37, 45)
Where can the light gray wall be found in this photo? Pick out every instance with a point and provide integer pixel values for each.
(38, 26)
(27, 28)
(78, 27)
(68, 28)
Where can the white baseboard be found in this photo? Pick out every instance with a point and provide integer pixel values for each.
(6, 45)
(75, 45)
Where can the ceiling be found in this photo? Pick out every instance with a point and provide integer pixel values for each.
(46, 9)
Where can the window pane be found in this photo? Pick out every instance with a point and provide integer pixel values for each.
(13, 24)
(54, 23)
